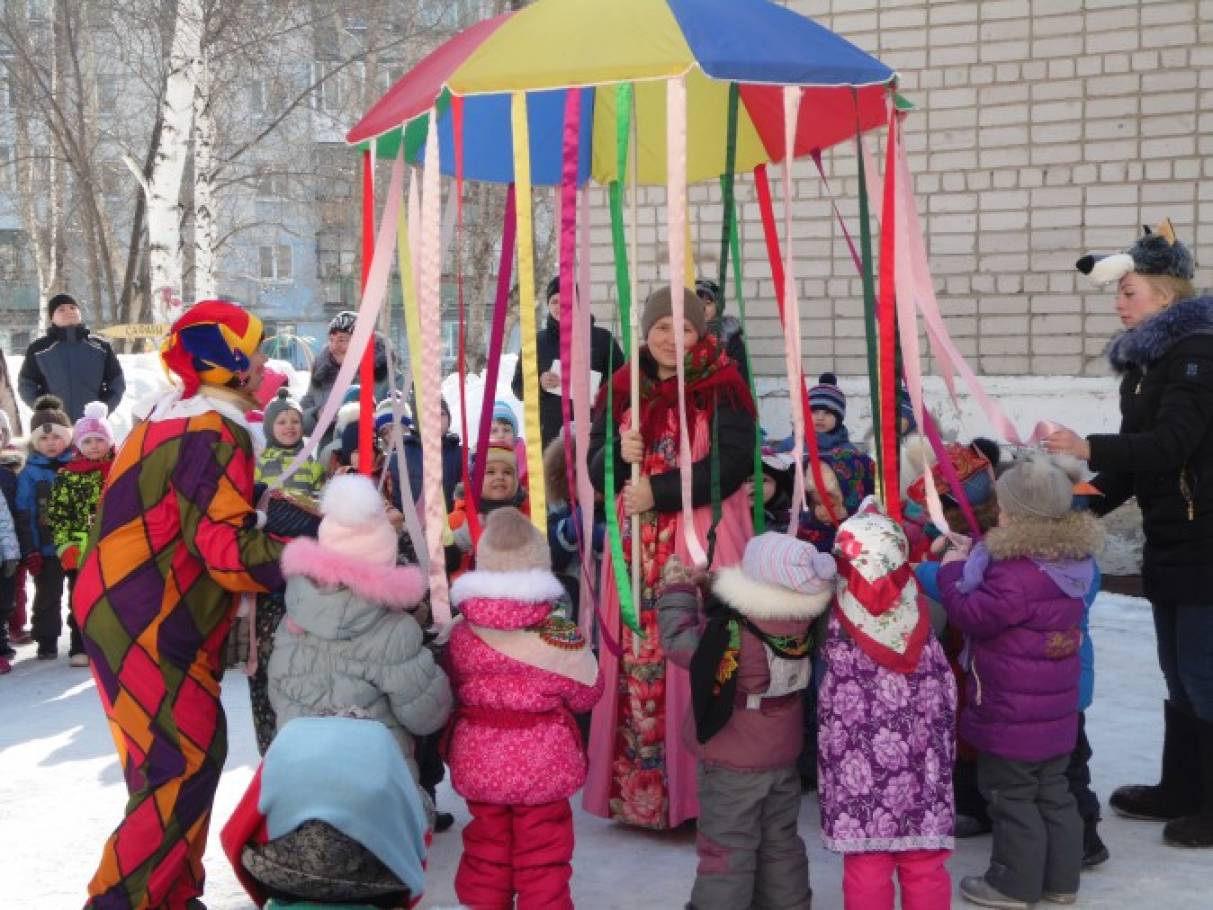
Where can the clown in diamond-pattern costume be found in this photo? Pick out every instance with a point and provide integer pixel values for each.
(174, 545)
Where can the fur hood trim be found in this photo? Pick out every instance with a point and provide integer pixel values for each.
(529, 586)
(1149, 342)
(758, 600)
(1076, 536)
(395, 587)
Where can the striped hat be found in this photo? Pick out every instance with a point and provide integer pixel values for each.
(786, 562)
(828, 396)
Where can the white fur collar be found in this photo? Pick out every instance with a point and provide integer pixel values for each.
(759, 600)
(171, 406)
(395, 587)
(531, 586)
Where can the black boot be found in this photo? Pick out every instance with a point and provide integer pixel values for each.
(1178, 792)
(1196, 830)
(7, 651)
(1094, 850)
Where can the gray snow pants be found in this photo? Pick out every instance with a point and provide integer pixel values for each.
(1037, 831)
(750, 854)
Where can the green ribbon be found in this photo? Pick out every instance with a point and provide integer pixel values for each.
(869, 301)
(730, 241)
(623, 583)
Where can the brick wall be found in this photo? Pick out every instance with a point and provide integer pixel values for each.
(1044, 128)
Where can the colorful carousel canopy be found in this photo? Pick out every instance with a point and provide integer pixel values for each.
(553, 45)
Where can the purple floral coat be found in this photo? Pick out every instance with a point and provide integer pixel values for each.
(886, 744)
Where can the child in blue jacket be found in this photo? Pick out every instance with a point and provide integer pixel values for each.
(50, 439)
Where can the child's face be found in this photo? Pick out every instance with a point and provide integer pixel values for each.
(824, 421)
(768, 488)
(94, 448)
(50, 444)
(500, 481)
(501, 433)
(288, 427)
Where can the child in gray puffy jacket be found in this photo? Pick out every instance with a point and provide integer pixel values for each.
(348, 639)
(748, 650)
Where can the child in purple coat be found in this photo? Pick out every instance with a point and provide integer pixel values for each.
(1018, 597)
(886, 726)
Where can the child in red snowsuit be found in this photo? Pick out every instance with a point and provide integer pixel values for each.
(514, 750)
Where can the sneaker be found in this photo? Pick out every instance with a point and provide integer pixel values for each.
(79, 660)
(52, 654)
(1056, 897)
(977, 890)
(1094, 851)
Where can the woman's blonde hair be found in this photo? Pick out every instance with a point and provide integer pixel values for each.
(1174, 288)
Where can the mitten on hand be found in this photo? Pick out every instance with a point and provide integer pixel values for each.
(69, 556)
(33, 563)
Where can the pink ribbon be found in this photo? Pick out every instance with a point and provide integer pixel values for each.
(676, 210)
(581, 405)
(431, 345)
(793, 358)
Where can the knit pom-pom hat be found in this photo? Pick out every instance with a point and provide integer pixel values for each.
(282, 403)
(503, 413)
(783, 561)
(355, 523)
(660, 304)
(828, 396)
(49, 419)
(510, 543)
(94, 424)
(1038, 487)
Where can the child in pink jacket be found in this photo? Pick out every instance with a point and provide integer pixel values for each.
(515, 753)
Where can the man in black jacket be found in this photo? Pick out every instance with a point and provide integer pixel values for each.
(605, 358)
(71, 363)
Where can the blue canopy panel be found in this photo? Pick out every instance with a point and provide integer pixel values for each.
(488, 153)
(766, 43)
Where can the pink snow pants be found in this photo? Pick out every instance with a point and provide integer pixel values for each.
(517, 850)
(867, 880)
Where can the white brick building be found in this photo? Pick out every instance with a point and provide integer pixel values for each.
(1044, 128)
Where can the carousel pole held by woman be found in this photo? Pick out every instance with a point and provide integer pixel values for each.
(1163, 455)
(641, 772)
(175, 544)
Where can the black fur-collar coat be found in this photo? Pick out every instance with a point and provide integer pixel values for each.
(1163, 453)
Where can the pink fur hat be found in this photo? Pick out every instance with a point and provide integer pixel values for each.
(354, 522)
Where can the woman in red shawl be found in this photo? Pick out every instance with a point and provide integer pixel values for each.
(641, 772)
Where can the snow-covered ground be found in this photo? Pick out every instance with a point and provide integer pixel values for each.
(61, 792)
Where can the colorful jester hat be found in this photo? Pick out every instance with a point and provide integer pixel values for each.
(210, 344)
(1156, 252)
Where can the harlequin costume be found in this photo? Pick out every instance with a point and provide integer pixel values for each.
(174, 544)
(519, 674)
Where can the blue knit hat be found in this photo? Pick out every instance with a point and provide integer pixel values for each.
(504, 413)
(828, 396)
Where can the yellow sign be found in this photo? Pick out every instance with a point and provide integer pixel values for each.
(137, 330)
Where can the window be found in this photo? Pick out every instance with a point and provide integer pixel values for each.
(39, 10)
(336, 255)
(8, 169)
(275, 262)
(327, 94)
(10, 255)
(7, 95)
(107, 94)
(272, 186)
(113, 176)
(257, 97)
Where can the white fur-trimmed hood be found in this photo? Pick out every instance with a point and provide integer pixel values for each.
(529, 586)
(759, 600)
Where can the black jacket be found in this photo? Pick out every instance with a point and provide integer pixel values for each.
(1163, 453)
(76, 366)
(735, 441)
(605, 358)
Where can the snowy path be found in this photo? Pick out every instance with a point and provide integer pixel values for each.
(61, 792)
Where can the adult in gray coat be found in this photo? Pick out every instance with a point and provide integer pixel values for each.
(328, 363)
(70, 363)
(348, 640)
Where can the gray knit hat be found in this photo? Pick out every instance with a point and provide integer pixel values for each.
(281, 402)
(510, 543)
(1036, 487)
(660, 304)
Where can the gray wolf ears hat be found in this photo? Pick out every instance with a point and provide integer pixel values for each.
(1156, 252)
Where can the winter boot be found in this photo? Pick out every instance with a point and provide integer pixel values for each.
(1094, 851)
(7, 651)
(1178, 792)
(1196, 830)
(977, 890)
